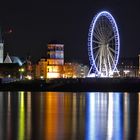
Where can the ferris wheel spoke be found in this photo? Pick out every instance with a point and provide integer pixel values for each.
(101, 30)
(98, 62)
(111, 38)
(105, 66)
(111, 57)
(108, 33)
(109, 63)
(108, 30)
(103, 24)
(97, 42)
(103, 34)
(96, 34)
(111, 49)
(99, 33)
(97, 47)
(97, 54)
(98, 29)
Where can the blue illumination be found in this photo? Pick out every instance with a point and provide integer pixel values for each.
(104, 116)
(90, 39)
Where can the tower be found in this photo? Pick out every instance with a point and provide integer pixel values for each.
(55, 60)
(1, 48)
(55, 54)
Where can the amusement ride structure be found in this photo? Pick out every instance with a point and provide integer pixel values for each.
(103, 45)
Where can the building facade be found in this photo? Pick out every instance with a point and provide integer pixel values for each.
(41, 69)
(55, 60)
(75, 70)
(129, 67)
(54, 67)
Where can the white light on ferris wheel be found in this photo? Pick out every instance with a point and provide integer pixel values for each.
(103, 44)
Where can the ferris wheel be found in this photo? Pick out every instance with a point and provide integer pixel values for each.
(103, 45)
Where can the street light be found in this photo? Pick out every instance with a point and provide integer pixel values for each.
(21, 71)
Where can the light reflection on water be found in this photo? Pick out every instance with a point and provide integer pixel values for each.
(104, 116)
(69, 116)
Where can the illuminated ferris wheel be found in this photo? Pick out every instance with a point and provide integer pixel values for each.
(103, 45)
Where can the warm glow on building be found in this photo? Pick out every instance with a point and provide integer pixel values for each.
(69, 70)
(41, 68)
(54, 67)
(55, 71)
(53, 75)
(55, 60)
(75, 70)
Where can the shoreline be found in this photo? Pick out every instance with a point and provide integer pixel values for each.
(75, 85)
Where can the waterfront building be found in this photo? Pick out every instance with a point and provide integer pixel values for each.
(7, 59)
(41, 69)
(9, 70)
(45, 70)
(128, 67)
(75, 70)
(12, 59)
(69, 70)
(55, 60)
(54, 67)
(81, 70)
(28, 67)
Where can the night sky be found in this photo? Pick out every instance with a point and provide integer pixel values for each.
(34, 24)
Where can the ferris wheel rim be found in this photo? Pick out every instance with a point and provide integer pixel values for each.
(90, 38)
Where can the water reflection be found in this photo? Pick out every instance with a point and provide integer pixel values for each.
(69, 116)
(28, 116)
(21, 117)
(54, 114)
(126, 117)
(9, 117)
(104, 119)
(138, 124)
(1, 116)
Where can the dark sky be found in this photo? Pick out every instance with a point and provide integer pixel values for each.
(34, 24)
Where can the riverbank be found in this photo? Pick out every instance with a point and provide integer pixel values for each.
(75, 85)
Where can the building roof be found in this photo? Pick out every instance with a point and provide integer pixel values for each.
(17, 60)
(7, 59)
(13, 59)
(55, 42)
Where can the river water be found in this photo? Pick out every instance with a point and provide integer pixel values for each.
(69, 116)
